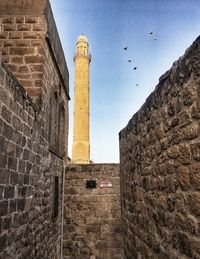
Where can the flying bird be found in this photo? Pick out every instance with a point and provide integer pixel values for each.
(135, 68)
(137, 84)
(154, 37)
(125, 48)
(129, 60)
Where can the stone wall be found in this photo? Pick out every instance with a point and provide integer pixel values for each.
(25, 29)
(26, 177)
(33, 144)
(92, 216)
(21, 40)
(160, 167)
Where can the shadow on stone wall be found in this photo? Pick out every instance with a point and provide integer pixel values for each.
(92, 216)
(160, 167)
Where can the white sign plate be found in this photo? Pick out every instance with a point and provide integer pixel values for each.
(105, 183)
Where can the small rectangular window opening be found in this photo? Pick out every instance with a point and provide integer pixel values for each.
(91, 184)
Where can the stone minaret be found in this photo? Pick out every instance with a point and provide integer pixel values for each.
(81, 141)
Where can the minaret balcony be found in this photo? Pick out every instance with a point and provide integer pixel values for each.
(82, 55)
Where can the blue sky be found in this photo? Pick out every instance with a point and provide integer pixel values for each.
(110, 26)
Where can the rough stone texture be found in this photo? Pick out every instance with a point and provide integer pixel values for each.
(92, 217)
(160, 167)
(23, 39)
(27, 164)
(27, 7)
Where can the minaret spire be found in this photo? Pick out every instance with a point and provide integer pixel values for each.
(81, 140)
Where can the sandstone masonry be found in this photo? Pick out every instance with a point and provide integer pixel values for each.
(92, 216)
(33, 131)
(160, 167)
(34, 98)
(48, 209)
(26, 29)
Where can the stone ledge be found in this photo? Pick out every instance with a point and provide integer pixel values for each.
(90, 167)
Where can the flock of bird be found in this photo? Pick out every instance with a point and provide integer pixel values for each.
(154, 37)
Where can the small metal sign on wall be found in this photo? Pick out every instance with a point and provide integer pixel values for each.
(91, 184)
(105, 183)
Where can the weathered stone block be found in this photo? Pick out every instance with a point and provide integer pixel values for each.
(185, 118)
(7, 222)
(12, 67)
(180, 223)
(31, 19)
(17, 123)
(195, 247)
(17, 60)
(9, 43)
(7, 131)
(15, 35)
(3, 161)
(8, 19)
(189, 94)
(21, 204)
(38, 27)
(17, 219)
(26, 83)
(2, 142)
(23, 43)
(6, 114)
(192, 225)
(191, 131)
(24, 27)
(3, 35)
(3, 241)
(3, 207)
(26, 154)
(36, 68)
(12, 163)
(9, 27)
(173, 152)
(20, 51)
(10, 149)
(195, 176)
(9, 192)
(1, 191)
(194, 203)
(195, 148)
(12, 205)
(34, 59)
(19, 19)
(184, 244)
(184, 178)
(30, 35)
(185, 154)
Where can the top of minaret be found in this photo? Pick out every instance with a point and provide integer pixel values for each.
(82, 38)
(82, 48)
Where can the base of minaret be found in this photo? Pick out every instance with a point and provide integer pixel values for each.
(80, 162)
(81, 152)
